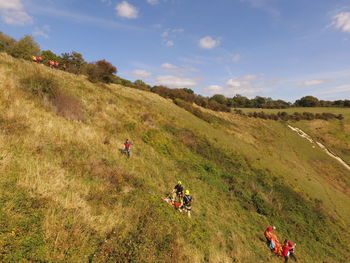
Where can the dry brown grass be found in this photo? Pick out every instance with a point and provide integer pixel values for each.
(67, 106)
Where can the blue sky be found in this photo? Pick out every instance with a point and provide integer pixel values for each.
(275, 48)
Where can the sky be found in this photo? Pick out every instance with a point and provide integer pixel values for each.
(273, 48)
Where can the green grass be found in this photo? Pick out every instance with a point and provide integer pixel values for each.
(70, 196)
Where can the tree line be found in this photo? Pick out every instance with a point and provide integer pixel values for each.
(104, 71)
(296, 116)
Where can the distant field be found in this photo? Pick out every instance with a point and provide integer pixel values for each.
(334, 134)
(344, 111)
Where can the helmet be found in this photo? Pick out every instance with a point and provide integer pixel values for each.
(274, 227)
(187, 192)
(179, 182)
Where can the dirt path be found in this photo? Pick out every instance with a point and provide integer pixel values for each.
(301, 133)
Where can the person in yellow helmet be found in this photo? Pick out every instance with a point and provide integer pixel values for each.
(34, 60)
(187, 203)
(178, 191)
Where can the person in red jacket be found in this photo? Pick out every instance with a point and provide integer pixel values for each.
(291, 252)
(127, 145)
(287, 250)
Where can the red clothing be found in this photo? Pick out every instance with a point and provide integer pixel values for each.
(269, 229)
(285, 250)
(290, 243)
(127, 145)
(268, 232)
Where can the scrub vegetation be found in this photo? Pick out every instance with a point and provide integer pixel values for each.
(68, 195)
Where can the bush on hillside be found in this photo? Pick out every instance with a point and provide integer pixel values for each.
(25, 48)
(6, 42)
(40, 84)
(101, 70)
(49, 55)
(73, 62)
(67, 106)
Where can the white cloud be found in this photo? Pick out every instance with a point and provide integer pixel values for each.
(208, 42)
(13, 13)
(124, 9)
(108, 2)
(165, 34)
(178, 69)
(342, 21)
(143, 74)
(83, 18)
(338, 89)
(242, 85)
(169, 43)
(213, 89)
(310, 83)
(236, 58)
(263, 5)
(175, 82)
(168, 66)
(153, 2)
(169, 34)
(42, 31)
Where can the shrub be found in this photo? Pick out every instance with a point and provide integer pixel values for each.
(100, 71)
(25, 48)
(73, 62)
(41, 85)
(6, 42)
(67, 106)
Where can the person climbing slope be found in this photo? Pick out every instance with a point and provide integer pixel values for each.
(127, 145)
(34, 59)
(40, 60)
(269, 237)
(291, 252)
(178, 192)
(187, 203)
(286, 249)
(272, 240)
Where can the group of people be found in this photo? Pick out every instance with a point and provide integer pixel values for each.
(53, 64)
(181, 199)
(50, 63)
(286, 250)
(37, 60)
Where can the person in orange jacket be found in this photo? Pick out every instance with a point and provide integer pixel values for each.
(40, 60)
(269, 237)
(57, 65)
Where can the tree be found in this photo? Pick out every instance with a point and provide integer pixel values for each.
(6, 42)
(219, 99)
(101, 70)
(189, 91)
(141, 85)
(240, 101)
(25, 48)
(73, 62)
(49, 55)
(307, 101)
(106, 70)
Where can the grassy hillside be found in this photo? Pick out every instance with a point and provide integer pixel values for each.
(334, 134)
(68, 195)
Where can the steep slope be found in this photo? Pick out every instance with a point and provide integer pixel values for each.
(68, 195)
